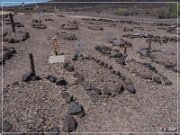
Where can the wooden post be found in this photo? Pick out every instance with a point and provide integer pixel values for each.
(32, 63)
(55, 47)
(12, 22)
(125, 50)
(149, 46)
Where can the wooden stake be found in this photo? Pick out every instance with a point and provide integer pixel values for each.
(32, 63)
(150, 41)
(125, 50)
(12, 22)
(55, 47)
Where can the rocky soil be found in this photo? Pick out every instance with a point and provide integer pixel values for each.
(101, 87)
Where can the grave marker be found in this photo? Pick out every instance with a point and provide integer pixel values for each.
(56, 58)
(32, 63)
(12, 22)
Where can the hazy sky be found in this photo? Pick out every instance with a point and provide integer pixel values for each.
(19, 2)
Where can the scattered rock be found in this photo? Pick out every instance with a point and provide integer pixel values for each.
(106, 91)
(51, 78)
(176, 69)
(17, 37)
(97, 28)
(6, 126)
(166, 80)
(88, 86)
(70, 26)
(76, 109)
(70, 124)
(52, 131)
(30, 77)
(66, 97)
(157, 79)
(144, 52)
(119, 89)
(80, 78)
(68, 66)
(75, 57)
(61, 82)
(37, 24)
(129, 85)
(98, 91)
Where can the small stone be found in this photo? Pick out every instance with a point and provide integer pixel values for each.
(112, 71)
(113, 94)
(53, 131)
(129, 85)
(6, 126)
(109, 67)
(146, 75)
(176, 69)
(51, 78)
(27, 77)
(70, 124)
(80, 78)
(144, 52)
(166, 80)
(75, 108)
(121, 60)
(75, 57)
(61, 82)
(119, 89)
(123, 77)
(157, 79)
(66, 97)
(106, 91)
(15, 83)
(117, 73)
(68, 66)
(88, 86)
(98, 91)
(101, 63)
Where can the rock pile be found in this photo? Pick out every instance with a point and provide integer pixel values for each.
(30, 77)
(8, 52)
(17, 37)
(126, 85)
(96, 28)
(120, 57)
(127, 29)
(58, 81)
(37, 24)
(67, 36)
(137, 35)
(49, 20)
(119, 42)
(70, 26)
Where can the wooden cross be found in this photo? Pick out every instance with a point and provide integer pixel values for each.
(12, 22)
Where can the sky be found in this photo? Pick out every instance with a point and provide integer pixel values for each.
(19, 2)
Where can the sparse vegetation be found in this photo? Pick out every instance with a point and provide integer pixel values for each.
(171, 11)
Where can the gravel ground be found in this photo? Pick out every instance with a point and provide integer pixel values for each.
(38, 105)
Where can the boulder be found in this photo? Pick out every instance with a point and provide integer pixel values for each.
(70, 124)
(76, 109)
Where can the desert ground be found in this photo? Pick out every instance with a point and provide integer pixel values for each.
(99, 87)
